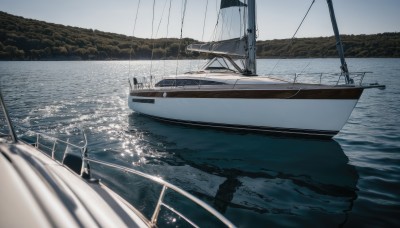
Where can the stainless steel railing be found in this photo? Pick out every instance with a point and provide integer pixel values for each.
(55, 141)
(335, 79)
(51, 147)
(167, 186)
(52, 143)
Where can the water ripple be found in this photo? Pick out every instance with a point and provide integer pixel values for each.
(352, 180)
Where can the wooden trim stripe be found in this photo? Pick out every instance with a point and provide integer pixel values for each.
(307, 133)
(334, 93)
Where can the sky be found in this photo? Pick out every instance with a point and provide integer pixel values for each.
(276, 19)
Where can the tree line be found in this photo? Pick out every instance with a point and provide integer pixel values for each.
(383, 45)
(28, 39)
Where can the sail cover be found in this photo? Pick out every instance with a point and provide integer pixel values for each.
(234, 47)
(229, 33)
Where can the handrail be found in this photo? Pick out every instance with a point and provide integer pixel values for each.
(356, 77)
(166, 186)
(56, 140)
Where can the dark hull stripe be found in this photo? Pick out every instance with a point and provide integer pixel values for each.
(266, 130)
(149, 101)
(339, 93)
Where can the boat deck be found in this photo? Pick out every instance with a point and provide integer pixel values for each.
(228, 80)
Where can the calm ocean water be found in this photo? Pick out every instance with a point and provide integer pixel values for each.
(254, 180)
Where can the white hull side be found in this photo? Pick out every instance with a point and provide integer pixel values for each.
(307, 114)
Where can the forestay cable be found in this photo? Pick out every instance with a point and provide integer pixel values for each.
(292, 39)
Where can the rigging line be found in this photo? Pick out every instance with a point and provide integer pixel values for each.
(204, 22)
(305, 67)
(133, 34)
(152, 31)
(240, 23)
(162, 16)
(165, 45)
(222, 24)
(214, 34)
(290, 97)
(202, 34)
(312, 3)
(184, 3)
(257, 31)
(245, 18)
(183, 16)
(292, 39)
(158, 28)
(156, 35)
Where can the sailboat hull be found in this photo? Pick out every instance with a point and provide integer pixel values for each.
(306, 116)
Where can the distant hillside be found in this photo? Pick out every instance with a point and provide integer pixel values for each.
(380, 45)
(27, 39)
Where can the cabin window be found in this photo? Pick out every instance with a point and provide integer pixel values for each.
(206, 82)
(166, 83)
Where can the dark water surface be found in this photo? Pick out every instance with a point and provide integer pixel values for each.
(254, 180)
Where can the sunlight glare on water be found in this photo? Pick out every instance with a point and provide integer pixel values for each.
(352, 180)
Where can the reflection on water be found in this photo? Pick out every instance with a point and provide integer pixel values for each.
(250, 172)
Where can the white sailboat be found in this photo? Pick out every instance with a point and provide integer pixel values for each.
(227, 92)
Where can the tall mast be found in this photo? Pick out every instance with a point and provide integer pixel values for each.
(339, 45)
(251, 39)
